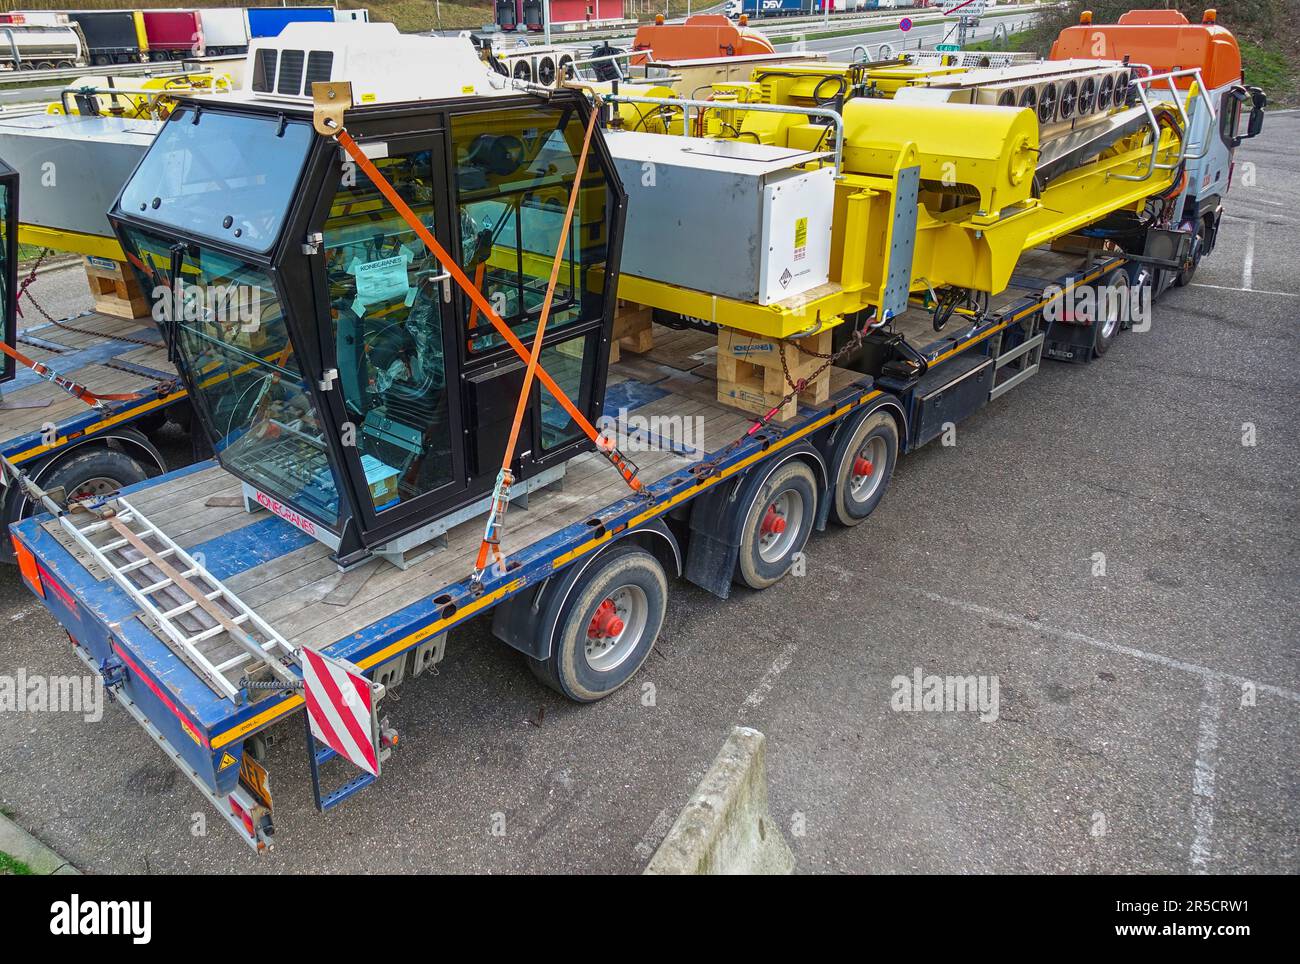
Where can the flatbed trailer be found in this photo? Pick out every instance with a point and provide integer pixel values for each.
(392, 623)
(61, 441)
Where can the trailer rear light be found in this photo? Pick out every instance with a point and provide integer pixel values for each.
(27, 566)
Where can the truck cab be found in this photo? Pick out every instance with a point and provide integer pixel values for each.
(1162, 41)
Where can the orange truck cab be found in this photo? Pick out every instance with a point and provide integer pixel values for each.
(699, 37)
(1160, 41)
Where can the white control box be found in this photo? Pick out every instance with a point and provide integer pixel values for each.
(729, 218)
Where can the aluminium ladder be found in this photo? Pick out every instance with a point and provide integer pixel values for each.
(137, 549)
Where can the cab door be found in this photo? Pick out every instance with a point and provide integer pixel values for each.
(384, 311)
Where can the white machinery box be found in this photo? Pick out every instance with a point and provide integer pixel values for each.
(728, 218)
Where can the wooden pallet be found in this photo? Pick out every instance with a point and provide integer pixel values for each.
(752, 377)
(116, 290)
(633, 330)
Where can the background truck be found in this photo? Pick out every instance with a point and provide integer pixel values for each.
(113, 36)
(269, 21)
(769, 8)
(173, 34)
(225, 31)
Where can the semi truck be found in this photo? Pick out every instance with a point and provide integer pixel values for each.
(173, 34)
(269, 21)
(375, 412)
(769, 8)
(113, 36)
(32, 46)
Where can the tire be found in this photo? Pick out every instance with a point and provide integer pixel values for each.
(1185, 276)
(776, 525)
(873, 441)
(1110, 311)
(96, 472)
(607, 627)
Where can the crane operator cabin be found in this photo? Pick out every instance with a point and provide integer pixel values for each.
(336, 368)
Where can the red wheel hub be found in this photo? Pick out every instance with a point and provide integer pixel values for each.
(862, 466)
(773, 524)
(605, 623)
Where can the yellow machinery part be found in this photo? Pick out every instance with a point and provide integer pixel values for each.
(141, 35)
(987, 151)
(152, 97)
(74, 241)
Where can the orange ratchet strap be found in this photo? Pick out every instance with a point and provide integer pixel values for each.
(75, 389)
(491, 544)
(626, 469)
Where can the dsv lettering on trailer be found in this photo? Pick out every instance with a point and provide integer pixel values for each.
(73, 918)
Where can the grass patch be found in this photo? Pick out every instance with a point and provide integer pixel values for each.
(1016, 43)
(1267, 67)
(13, 867)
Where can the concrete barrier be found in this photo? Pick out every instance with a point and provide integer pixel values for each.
(725, 827)
(18, 844)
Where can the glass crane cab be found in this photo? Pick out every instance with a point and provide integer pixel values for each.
(336, 368)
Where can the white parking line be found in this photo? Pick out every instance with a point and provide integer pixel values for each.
(1204, 774)
(1253, 291)
(765, 685)
(1248, 262)
(1195, 669)
(1213, 705)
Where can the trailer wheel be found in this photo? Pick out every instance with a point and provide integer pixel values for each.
(1112, 304)
(865, 464)
(96, 472)
(608, 626)
(776, 525)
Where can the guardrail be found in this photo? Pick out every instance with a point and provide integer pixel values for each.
(164, 68)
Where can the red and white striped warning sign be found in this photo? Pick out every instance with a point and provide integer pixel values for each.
(341, 709)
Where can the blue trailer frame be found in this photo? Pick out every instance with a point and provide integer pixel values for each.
(207, 735)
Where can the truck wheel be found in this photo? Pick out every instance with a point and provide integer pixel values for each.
(864, 466)
(1112, 303)
(608, 627)
(777, 524)
(96, 472)
(1185, 276)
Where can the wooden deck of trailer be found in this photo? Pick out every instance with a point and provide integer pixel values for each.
(106, 354)
(290, 579)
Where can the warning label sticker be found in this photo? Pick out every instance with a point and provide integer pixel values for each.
(800, 239)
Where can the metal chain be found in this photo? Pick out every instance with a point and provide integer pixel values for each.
(708, 469)
(163, 388)
(72, 329)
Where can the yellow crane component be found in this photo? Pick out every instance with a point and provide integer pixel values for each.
(136, 97)
(964, 152)
(931, 196)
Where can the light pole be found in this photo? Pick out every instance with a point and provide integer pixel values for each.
(546, 20)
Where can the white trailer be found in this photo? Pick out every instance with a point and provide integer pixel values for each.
(225, 30)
